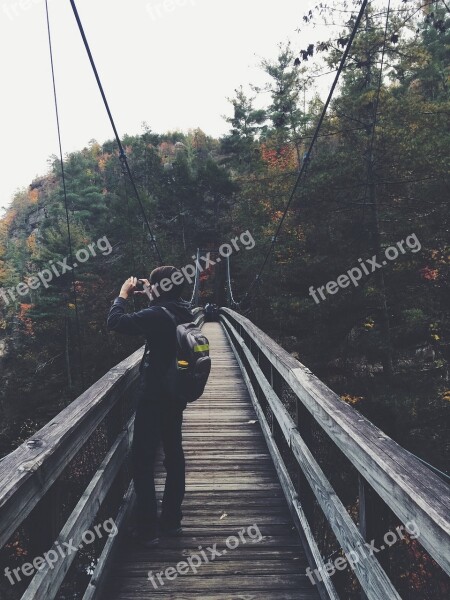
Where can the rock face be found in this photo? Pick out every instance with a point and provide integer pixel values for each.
(2, 348)
(36, 217)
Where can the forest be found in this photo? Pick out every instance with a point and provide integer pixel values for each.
(378, 175)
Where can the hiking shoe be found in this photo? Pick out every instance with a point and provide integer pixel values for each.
(146, 537)
(170, 529)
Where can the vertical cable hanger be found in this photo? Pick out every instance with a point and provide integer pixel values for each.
(66, 207)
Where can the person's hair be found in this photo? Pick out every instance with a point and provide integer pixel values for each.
(176, 287)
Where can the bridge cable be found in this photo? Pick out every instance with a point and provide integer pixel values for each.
(130, 230)
(307, 158)
(194, 298)
(438, 472)
(66, 207)
(231, 299)
(122, 155)
(234, 304)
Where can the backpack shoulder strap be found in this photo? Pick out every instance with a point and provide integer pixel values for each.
(170, 315)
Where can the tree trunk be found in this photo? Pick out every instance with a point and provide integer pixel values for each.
(67, 355)
(384, 311)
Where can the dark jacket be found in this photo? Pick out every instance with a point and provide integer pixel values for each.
(157, 328)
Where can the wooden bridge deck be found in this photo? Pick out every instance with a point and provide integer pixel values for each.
(231, 485)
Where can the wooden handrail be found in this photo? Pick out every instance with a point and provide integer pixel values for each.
(29, 472)
(410, 489)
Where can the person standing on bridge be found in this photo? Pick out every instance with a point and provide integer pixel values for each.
(157, 418)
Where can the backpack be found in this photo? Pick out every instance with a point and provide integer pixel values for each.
(187, 375)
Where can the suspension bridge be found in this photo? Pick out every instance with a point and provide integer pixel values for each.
(255, 446)
(250, 462)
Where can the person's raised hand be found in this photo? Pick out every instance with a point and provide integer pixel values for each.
(128, 287)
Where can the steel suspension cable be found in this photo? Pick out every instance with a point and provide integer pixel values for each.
(194, 298)
(66, 207)
(233, 302)
(307, 158)
(122, 155)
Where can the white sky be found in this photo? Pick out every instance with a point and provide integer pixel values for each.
(170, 68)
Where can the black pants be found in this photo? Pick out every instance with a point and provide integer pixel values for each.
(157, 420)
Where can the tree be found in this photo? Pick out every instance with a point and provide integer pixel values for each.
(247, 123)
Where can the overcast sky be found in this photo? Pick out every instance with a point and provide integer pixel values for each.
(171, 64)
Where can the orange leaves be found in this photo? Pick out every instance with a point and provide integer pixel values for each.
(33, 196)
(26, 321)
(166, 149)
(102, 161)
(276, 216)
(429, 274)
(199, 139)
(441, 257)
(422, 574)
(31, 243)
(16, 547)
(369, 324)
(439, 261)
(166, 152)
(8, 219)
(279, 159)
(352, 400)
(205, 275)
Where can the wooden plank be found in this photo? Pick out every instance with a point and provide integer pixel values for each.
(292, 554)
(226, 487)
(233, 513)
(325, 588)
(199, 584)
(188, 543)
(410, 489)
(231, 484)
(133, 586)
(227, 564)
(230, 595)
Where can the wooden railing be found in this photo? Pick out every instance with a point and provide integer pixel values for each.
(403, 483)
(95, 428)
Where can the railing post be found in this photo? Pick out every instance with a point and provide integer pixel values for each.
(255, 352)
(276, 382)
(44, 523)
(115, 424)
(373, 521)
(304, 421)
